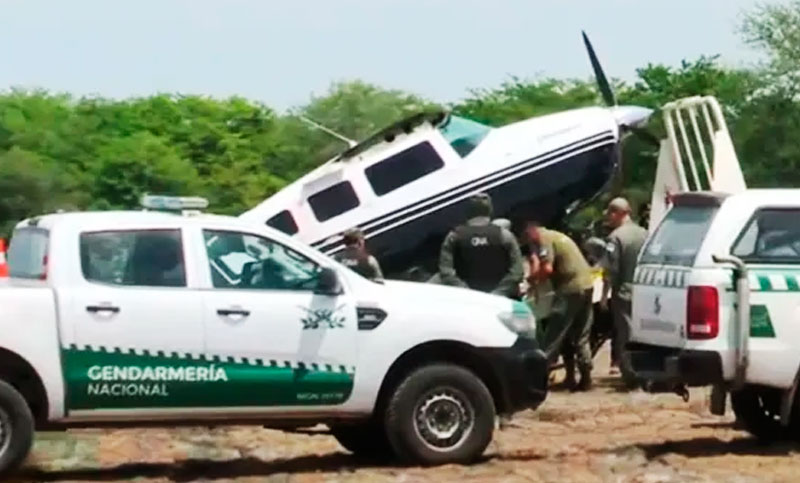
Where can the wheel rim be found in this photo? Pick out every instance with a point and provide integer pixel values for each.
(5, 431)
(444, 419)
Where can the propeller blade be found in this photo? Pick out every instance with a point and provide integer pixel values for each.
(602, 82)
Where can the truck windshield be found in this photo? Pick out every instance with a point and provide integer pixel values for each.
(27, 255)
(463, 134)
(677, 240)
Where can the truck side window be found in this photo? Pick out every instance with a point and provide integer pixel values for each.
(147, 258)
(404, 167)
(771, 236)
(244, 261)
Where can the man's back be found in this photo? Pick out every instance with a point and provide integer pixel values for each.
(625, 242)
(480, 257)
(571, 271)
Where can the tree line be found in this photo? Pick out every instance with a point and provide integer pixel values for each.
(62, 152)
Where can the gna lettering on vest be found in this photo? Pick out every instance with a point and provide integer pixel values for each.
(480, 241)
(479, 257)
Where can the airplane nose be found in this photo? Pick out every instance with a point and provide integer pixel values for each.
(633, 116)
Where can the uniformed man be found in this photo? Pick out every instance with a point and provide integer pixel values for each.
(560, 262)
(622, 246)
(481, 255)
(356, 257)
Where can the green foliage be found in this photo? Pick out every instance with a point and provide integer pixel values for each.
(517, 99)
(92, 153)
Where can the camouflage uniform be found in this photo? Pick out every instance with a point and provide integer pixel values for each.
(570, 320)
(622, 247)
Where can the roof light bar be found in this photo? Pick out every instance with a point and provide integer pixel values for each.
(154, 202)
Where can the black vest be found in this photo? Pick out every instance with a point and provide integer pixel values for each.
(479, 256)
(357, 261)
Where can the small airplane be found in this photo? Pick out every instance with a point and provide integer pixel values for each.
(406, 186)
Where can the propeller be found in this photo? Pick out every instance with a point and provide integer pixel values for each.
(628, 117)
(602, 81)
(610, 100)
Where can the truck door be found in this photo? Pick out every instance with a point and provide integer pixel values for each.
(770, 245)
(133, 325)
(281, 344)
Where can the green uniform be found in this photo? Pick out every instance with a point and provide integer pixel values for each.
(361, 262)
(571, 271)
(570, 322)
(463, 263)
(622, 250)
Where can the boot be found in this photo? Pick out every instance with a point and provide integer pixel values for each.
(586, 379)
(569, 381)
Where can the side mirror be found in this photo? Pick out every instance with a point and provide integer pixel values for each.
(328, 282)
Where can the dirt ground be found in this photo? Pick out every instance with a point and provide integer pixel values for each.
(604, 435)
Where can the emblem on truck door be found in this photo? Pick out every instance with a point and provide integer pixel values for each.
(657, 305)
(317, 318)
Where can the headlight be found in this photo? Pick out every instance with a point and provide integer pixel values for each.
(519, 319)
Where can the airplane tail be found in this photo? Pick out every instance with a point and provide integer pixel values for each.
(704, 149)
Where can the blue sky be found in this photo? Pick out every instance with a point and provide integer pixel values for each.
(282, 52)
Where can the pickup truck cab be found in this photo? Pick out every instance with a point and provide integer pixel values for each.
(716, 301)
(143, 317)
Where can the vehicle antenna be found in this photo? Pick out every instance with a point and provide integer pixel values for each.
(333, 133)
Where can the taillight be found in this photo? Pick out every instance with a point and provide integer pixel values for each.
(702, 313)
(43, 275)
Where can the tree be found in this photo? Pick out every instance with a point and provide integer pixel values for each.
(775, 30)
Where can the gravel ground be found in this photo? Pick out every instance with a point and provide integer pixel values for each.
(603, 435)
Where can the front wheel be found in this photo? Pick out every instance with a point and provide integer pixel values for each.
(440, 413)
(759, 410)
(16, 429)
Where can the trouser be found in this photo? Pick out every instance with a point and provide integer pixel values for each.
(568, 330)
(621, 312)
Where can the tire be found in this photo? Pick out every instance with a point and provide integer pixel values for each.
(758, 409)
(367, 440)
(16, 429)
(462, 404)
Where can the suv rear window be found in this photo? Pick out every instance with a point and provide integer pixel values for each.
(771, 236)
(27, 255)
(677, 240)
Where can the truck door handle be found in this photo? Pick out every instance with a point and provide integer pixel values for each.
(229, 312)
(102, 308)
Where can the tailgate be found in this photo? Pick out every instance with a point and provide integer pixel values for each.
(659, 306)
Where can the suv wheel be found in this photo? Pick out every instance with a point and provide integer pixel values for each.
(759, 410)
(366, 440)
(16, 429)
(440, 413)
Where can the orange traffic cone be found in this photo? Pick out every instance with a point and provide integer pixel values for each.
(3, 261)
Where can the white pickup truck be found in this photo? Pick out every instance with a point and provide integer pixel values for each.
(143, 318)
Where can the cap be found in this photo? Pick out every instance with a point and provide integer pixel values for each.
(352, 236)
(619, 204)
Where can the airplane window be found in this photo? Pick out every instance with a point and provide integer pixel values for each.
(403, 168)
(283, 221)
(464, 135)
(333, 201)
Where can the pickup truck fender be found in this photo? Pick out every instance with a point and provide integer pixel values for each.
(29, 331)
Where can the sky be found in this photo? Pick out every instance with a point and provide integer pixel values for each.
(283, 52)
